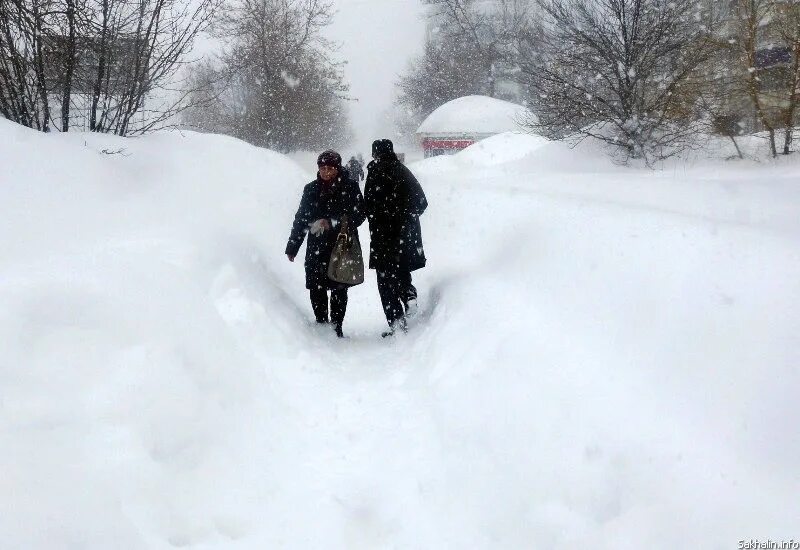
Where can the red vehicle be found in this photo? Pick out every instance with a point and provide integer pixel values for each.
(436, 146)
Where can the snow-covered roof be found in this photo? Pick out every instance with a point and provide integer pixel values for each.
(474, 114)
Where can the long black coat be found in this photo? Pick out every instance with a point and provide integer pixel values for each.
(356, 170)
(394, 201)
(341, 197)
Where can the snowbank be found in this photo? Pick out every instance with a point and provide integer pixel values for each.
(513, 152)
(501, 149)
(604, 357)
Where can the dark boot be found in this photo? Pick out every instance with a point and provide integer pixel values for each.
(396, 326)
(338, 310)
(408, 291)
(319, 303)
(390, 291)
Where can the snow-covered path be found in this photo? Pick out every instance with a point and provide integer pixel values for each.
(604, 356)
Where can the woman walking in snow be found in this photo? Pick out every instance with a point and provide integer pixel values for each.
(394, 202)
(332, 195)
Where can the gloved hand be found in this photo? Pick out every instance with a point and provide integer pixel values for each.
(319, 226)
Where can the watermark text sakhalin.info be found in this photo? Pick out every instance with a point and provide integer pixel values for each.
(768, 544)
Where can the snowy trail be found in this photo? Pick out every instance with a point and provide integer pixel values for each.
(365, 395)
(604, 358)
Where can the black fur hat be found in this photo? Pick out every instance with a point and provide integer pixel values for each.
(329, 158)
(381, 147)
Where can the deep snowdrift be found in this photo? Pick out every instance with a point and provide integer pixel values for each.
(605, 356)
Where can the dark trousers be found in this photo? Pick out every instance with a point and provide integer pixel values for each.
(396, 290)
(319, 303)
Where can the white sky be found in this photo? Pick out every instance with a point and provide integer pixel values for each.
(378, 38)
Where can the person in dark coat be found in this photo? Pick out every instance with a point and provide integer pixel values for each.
(325, 200)
(356, 168)
(394, 202)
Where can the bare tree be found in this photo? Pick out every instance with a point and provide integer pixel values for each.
(787, 21)
(764, 49)
(164, 35)
(444, 72)
(275, 85)
(489, 28)
(719, 109)
(109, 55)
(750, 17)
(23, 87)
(469, 50)
(70, 53)
(99, 77)
(716, 104)
(622, 71)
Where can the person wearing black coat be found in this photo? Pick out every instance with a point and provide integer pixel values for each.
(325, 200)
(356, 169)
(394, 201)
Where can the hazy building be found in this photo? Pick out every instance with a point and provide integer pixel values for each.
(459, 123)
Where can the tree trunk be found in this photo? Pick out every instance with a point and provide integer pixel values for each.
(13, 69)
(141, 64)
(793, 95)
(738, 151)
(38, 62)
(101, 69)
(70, 67)
(772, 148)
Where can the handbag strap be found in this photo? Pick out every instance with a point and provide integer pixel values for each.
(344, 231)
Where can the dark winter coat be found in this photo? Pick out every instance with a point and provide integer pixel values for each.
(394, 201)
(356, 170)
(342, 196)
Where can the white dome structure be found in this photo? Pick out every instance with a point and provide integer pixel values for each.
(463, 121)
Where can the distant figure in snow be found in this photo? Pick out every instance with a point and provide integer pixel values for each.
(394, 202)
(356, 168)
(325, 200)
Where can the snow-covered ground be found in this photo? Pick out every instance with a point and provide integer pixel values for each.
(605, 356)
